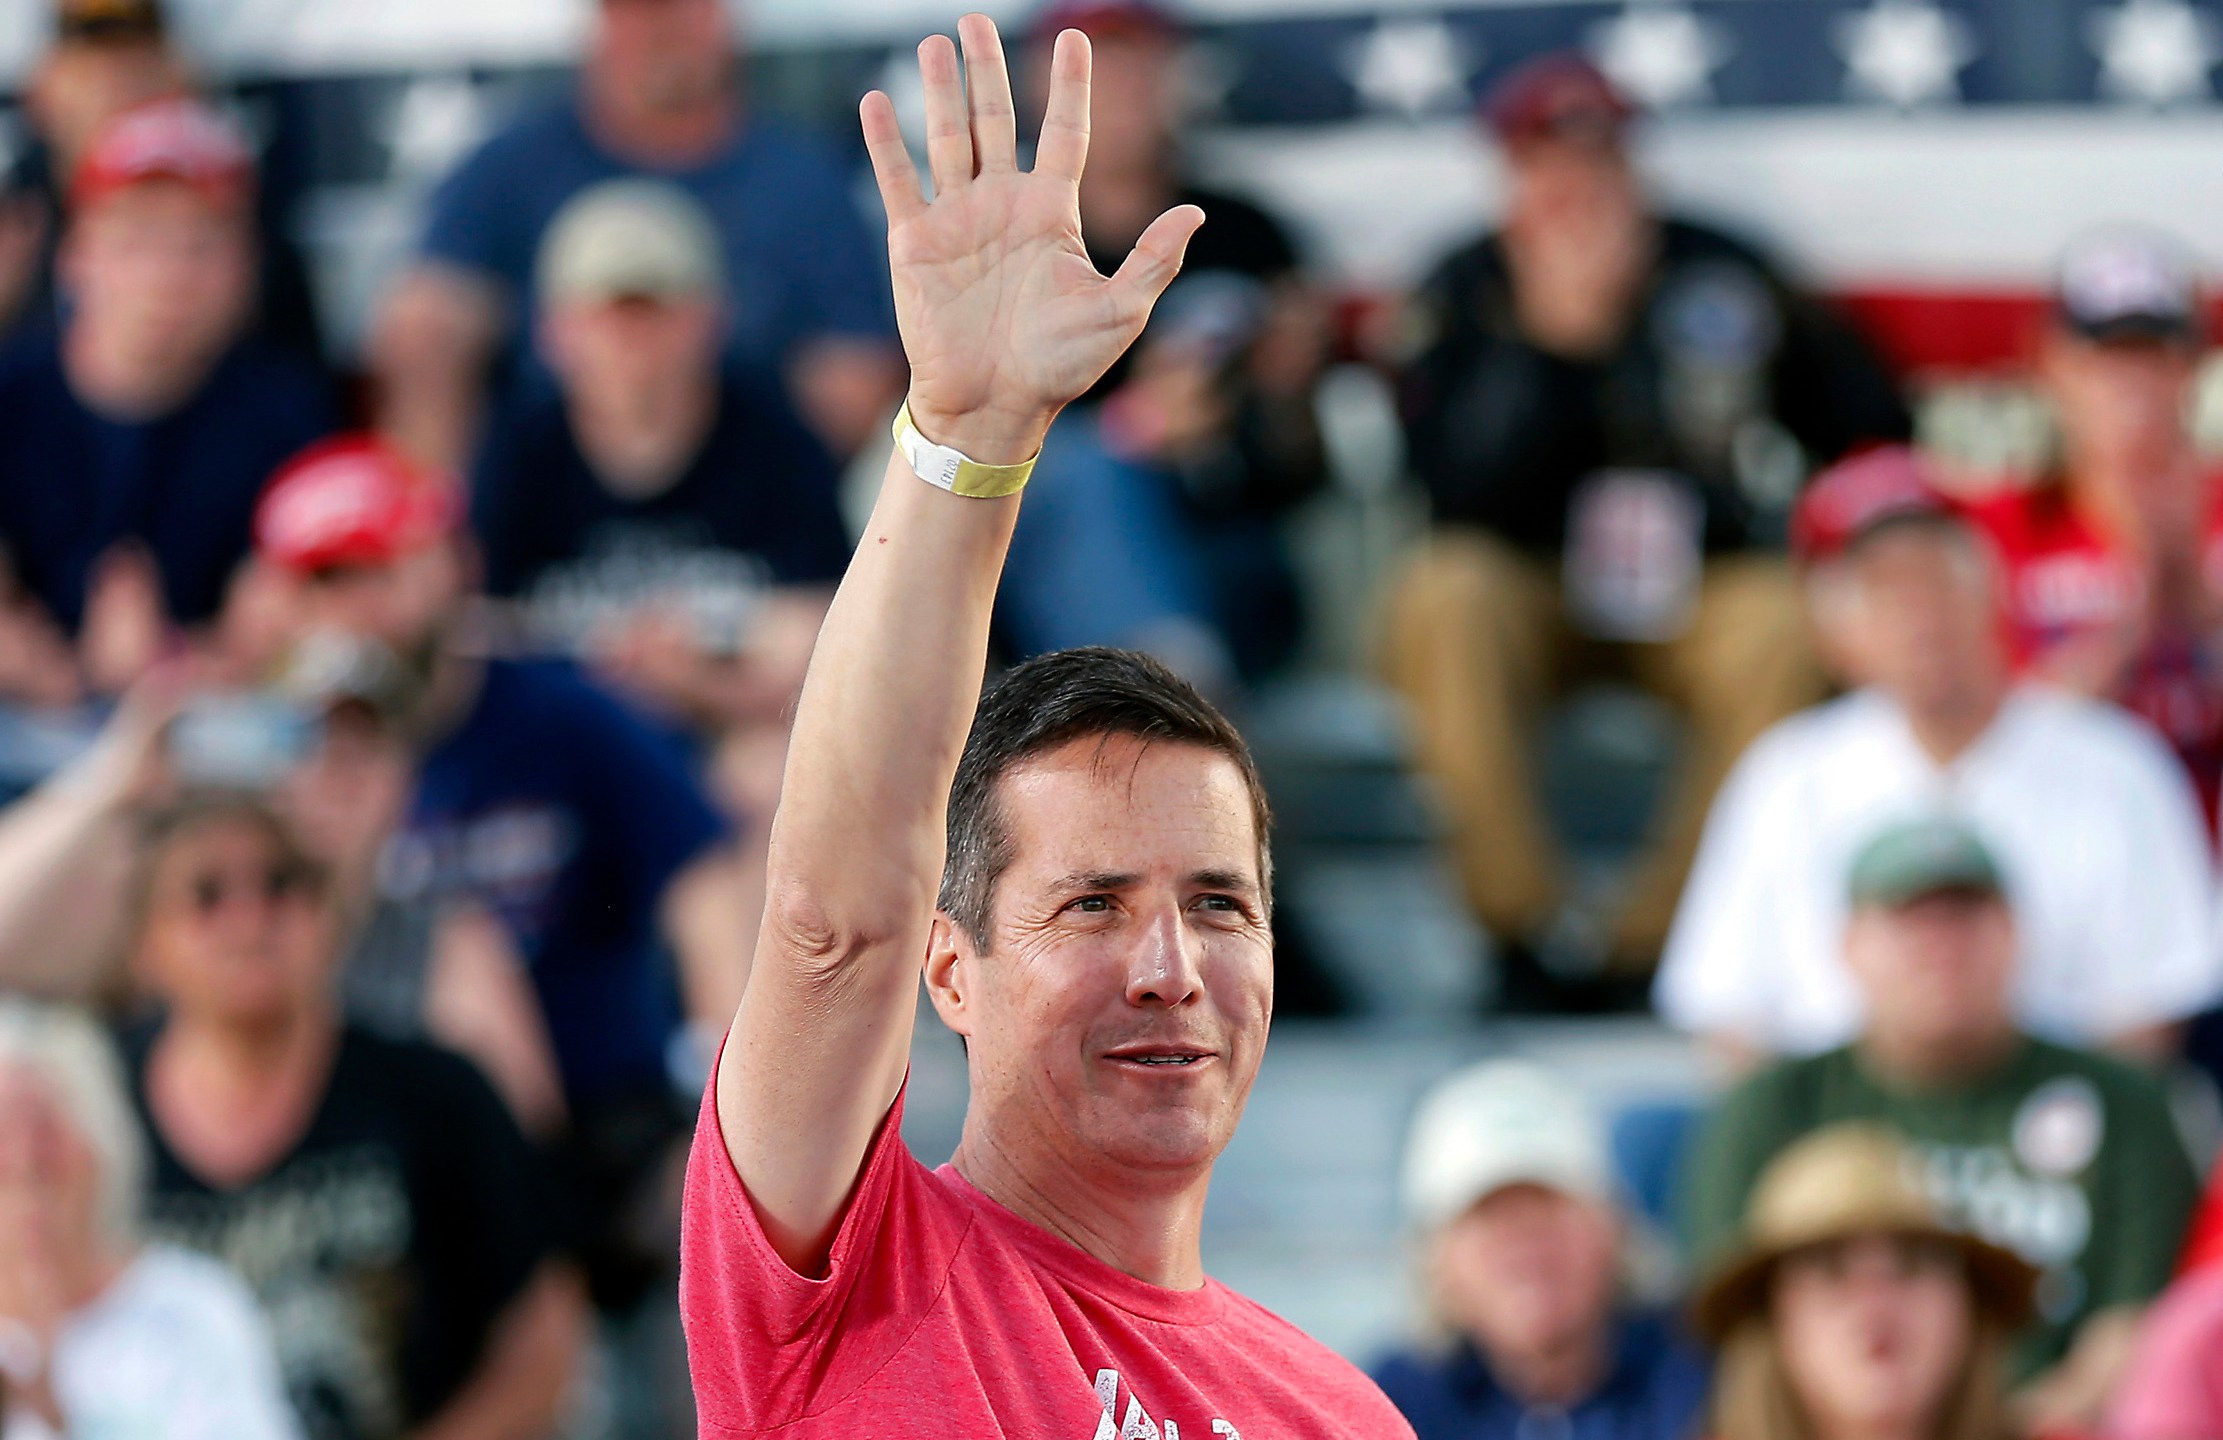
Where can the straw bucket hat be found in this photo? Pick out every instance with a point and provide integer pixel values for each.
(1839, 1183)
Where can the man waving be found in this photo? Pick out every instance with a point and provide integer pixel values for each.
(1082, 868)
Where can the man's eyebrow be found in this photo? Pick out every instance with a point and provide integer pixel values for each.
(1096, 880)
(1216, 879)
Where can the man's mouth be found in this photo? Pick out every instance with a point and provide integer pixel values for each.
(1171, 1057)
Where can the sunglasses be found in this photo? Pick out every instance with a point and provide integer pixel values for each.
(276, 884)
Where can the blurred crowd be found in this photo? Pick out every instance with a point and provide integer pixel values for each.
(388, 757)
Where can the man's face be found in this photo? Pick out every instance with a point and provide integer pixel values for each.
(1117, 1018)
(2120, 404)
(626, 349)
(1553, 183)
(162, 274)
(403, 604)
(1937, 971)
(1874, 1332)
(234, 931)
(1135, 104)
(1916, 618)
(665, 55)
(1529, 1270)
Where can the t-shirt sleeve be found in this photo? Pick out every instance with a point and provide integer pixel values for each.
(2174, 1389)
(767, 1346)
(2155, 1190)
(1723, 954)
(650, 817)
(473, 221)
(2165, 955)
(482, 1214)
(230, 1386)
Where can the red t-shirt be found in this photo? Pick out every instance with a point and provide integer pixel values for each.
(942, 1313)
(2064, 579)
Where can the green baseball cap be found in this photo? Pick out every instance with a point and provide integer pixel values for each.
(1913, 858)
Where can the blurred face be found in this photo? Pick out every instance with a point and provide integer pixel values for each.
(1553, 182)
(2120, 404)
(233, 932)
(1937, 972)
(347, 798)
(1117, 1018)
(1529, 1271)
(1874, 1332)
(664, 55)
(1916, 616)
(1134, 100)
(85, 83)
(403, 605)
(47, 1171)
(622, 351)
(160, 276)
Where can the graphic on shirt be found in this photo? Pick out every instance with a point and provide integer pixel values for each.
(2058, 1130)
(1136, 1424)
(2044, 1219)
(508, 856)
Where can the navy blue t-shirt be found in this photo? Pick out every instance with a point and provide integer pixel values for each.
(1656, 1391)
(73, 484)
(799, 260)
(761, 487)
(566, 815)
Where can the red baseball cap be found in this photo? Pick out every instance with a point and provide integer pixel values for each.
(176, 139)
(352, 500)
(1099, 19)
(1851, 498)
(1557, 95)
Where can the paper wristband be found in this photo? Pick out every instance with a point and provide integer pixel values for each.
(947, 469)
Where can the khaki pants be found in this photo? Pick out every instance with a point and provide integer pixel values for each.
(1477, 640)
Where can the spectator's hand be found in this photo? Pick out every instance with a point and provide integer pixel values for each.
(125, 629)
(129, 763)
(1578, 260)
(1003, 317)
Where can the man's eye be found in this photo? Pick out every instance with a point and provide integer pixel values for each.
(1091, 904)
(1220, 902)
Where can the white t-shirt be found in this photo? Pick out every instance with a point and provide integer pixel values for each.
(2094, 827)
(175, 1350)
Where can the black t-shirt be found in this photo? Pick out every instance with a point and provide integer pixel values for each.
(759, 499)
(73, 483)
(1502, 433)
(384, 1245)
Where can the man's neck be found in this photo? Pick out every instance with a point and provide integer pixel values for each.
(1947, 730)
(1153, 1233)
(1926, 1063)
(666, 138)
(641, 449)
(113, 382)
(1564, 1374)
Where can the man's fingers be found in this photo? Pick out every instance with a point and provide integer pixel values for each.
(949, 131)
(1150, 267)
(891, 158)
(1064, 146)
(988, 88)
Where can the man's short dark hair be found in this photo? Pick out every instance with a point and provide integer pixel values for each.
(1046, 702)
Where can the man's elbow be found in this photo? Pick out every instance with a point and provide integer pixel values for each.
(816, 938)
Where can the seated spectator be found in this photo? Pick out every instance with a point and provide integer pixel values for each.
(2114, 562)
(1509, 1184)
(135, 438)
(1175, 469)
(374, 1194)
(1581, 411)
(673, 521)
(1852, 1309)
(110, 56)
(2095, 827)
(540, 798)
(659, 94)
(2174, 1388)
(101, 1334)
(2067, 1158)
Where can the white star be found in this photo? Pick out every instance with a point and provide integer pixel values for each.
(2156, 52)
(1904, 52)
(436, 119)
(1413, 67)
(1660, 53)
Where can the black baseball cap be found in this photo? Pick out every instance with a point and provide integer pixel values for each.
(2129, 285)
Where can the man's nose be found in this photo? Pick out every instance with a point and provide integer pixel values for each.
(1166, 967)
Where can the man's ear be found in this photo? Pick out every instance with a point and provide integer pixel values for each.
(948, 973)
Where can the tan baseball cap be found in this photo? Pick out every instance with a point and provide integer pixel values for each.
(1837, 1184)
(636, 238)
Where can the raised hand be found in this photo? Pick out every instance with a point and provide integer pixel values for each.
(1002, 315)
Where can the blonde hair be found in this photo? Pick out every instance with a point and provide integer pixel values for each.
(71, 1057)
(1753, 1397)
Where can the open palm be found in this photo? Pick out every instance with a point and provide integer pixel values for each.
(1003, 316)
